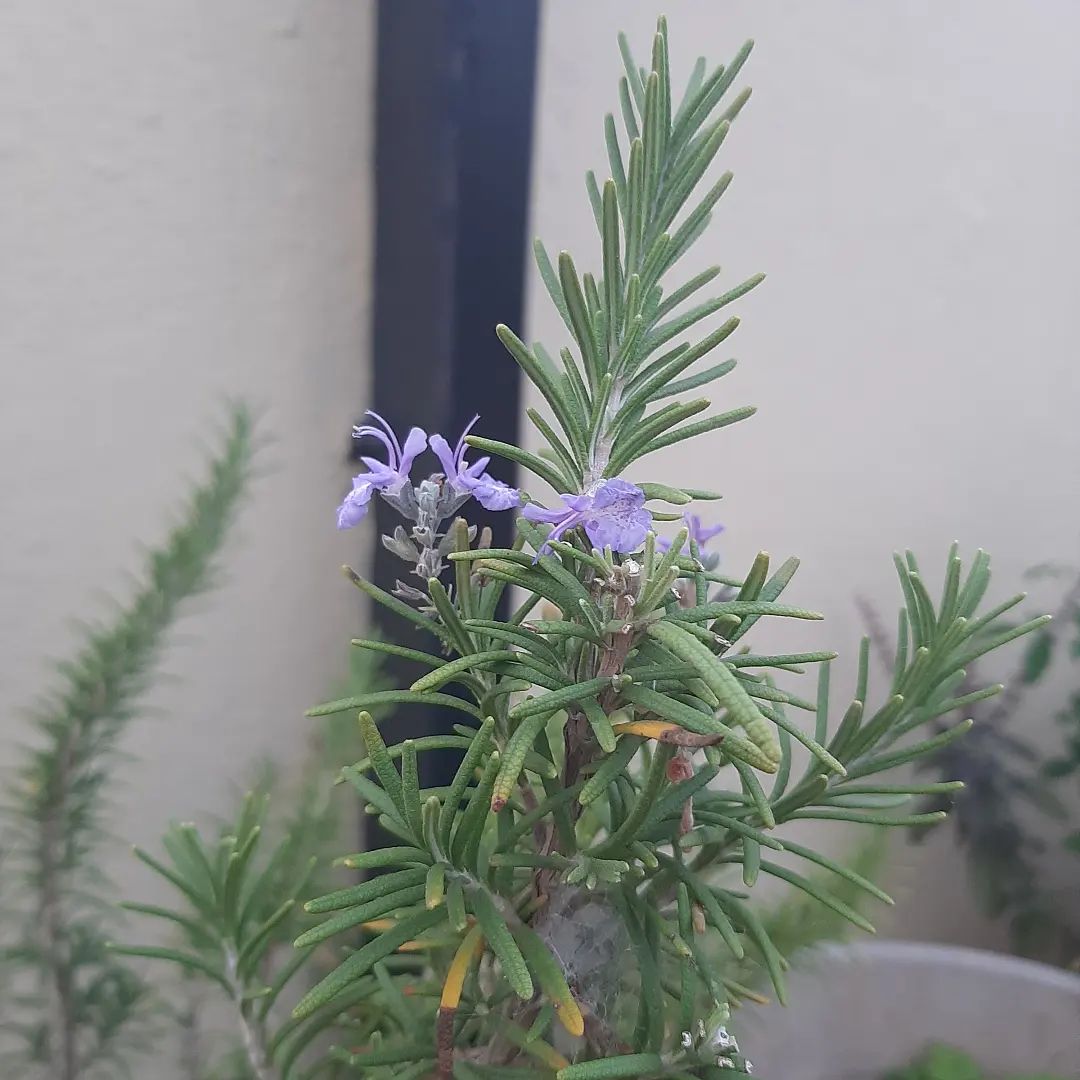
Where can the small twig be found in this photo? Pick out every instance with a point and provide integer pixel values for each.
(190, 1041)
(62, 1041)
(251, 1032)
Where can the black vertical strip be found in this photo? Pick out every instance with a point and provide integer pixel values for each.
(496, 106)
(454, 114)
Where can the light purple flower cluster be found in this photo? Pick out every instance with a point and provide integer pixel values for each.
(472, 480)
(389, 478)
(700, 535)
(460, 481)
(612, 512)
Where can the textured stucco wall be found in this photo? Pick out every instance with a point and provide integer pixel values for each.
(905, 173)
(185, 216)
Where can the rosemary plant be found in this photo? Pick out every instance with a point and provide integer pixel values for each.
(580, 899)
(73, 1009)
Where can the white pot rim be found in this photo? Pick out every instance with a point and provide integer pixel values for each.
(861, 1009)
(977, 961)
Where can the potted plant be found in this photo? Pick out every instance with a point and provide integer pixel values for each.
(580, 900)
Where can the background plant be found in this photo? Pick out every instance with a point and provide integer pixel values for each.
(71, 1008)
(1008, 816)
(580, 899)
(239, 912)
(946, 1063)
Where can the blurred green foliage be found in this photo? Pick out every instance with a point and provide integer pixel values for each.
(947, 1063)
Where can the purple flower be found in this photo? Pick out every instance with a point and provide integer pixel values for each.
(698, 533)
(465, 479)
(389, 478)
(612, 512)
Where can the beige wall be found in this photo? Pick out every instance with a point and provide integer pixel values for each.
(906, 174)
(185, 215)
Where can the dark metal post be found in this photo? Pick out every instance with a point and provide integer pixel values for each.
(455, 88)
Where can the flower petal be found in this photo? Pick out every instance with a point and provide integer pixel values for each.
(622, 532)
(382, 476)
(699, 533)
(456, 469)
(476, 469)
(578, 503)
(616, 492)
(415, 443)
(354, 506)
(535, 512)
(492, 494)
(441, 448)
